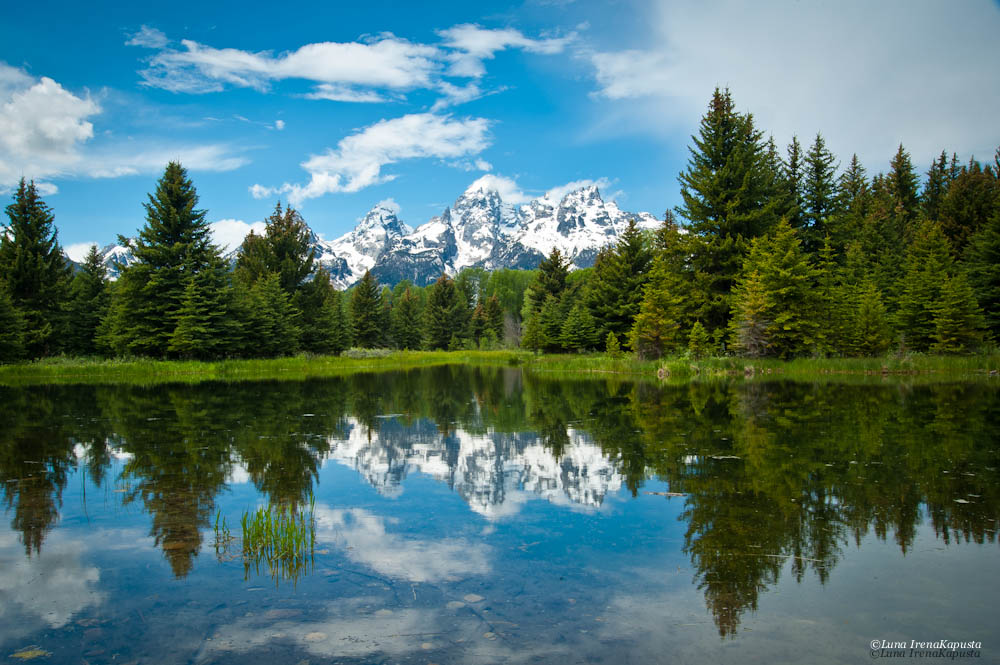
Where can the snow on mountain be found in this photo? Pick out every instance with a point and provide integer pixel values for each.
(480, 229)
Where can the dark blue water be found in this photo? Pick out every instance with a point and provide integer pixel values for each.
(478, 515)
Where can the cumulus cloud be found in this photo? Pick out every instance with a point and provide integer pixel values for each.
(470, 44)
(556, 194)
(507, 188)
(228, 234)
(78, 251)
(148, 37)
(387, 62)
(358, 159)
(852, 70)
(42, 126)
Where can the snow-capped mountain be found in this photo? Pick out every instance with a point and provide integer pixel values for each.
(478, 230)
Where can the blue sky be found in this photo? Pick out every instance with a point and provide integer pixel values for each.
(338, 106)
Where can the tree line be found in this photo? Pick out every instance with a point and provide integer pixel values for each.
(769, 254)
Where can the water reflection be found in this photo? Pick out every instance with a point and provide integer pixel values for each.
(773, 477)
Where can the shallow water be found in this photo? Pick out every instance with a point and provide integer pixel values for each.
(481, 515)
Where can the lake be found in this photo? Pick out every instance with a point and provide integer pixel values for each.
(490, 515)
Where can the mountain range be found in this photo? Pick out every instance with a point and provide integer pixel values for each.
(478, 230)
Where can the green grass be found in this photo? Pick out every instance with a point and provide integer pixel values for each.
(278, 539)
(145, 371)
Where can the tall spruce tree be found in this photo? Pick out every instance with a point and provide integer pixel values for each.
(36, 273)
(971, 199)
(616, 288)
(819, 194)
(903, 186)
(172, 248)
(445, 315)
(317, 308)
(285, 248)
(928, 266)
(793, 173)
(406, 319)
(728, 193)
(870, 332)
(205, 327)
(959, 325)
(550, 280)
(88, 305)
(982, 262)
(936, 186)
(366, 312)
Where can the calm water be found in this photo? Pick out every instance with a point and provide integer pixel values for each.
(471, 515)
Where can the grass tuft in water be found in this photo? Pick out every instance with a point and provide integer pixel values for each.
(279, 540)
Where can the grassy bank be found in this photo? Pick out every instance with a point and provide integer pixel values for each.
(93, 370)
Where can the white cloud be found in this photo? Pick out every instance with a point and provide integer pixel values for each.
(279, 125)
(390, 205)
(42, 126)
(507, 188)
(358, 159)
(867, 75)
(483, 165)
(454, 94)
(148, 37)
(471, 45)
(388, 62)
(78, 251)
(149, 158)
(556, 194)
(228, 234)
(343, 93)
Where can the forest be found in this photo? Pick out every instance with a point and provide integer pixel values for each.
(771, 253)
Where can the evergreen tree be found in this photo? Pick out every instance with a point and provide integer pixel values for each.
(270, 321)
(871, 333)
(578, 331)
(493, 315)
(616, 288)
(982, 261)
(794, 183)
(317, 307)
(444, 315)
(385, 319)
(611, 345)
(903, 186)
(787, 279)
(728, 194)
(37, 275)
(550, 279)
(819, 194)
(533, 337)
(11, 329)
(832, 315)
(958, 321)
(551, 318)
(88, 304)
(172, 248)
(928, 266)
(751, 325)
(699, 345)
(853, 198)
(343, 327)
(936, 186)
(663, 312)
(366, 312)
(204, 327)
(971, 199)
(406, 317)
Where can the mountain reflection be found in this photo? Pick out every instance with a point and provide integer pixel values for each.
(776, 478)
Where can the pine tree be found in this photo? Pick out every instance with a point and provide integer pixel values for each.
(612, 346)
(819, 194)
(366, 312)
(903, 186)
(831, 303)
(11, 329)
(533, 337)
(788, 281)
(204, 327)
(550, 279)
(406, 317)
(37, 275)
(936, 186)
(871, 332)
(551, 318)
(982, 261)
(444, 315)
(88, 304)
(958, 321)
(971, 199)
(317, 306)
(343, 327)
(578, 331)
(663, 312)
(172, 247)
(616, 288)
(493, 314)
(928, 266)
(699, 345)
(853, 198)
(270, 321)
(729, 196)
(751, 325)
(793, 173)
